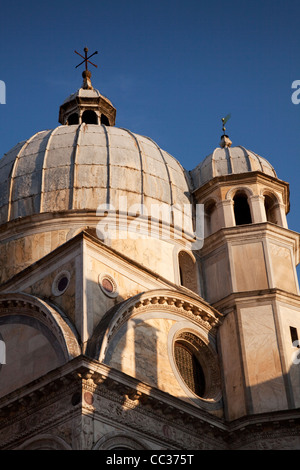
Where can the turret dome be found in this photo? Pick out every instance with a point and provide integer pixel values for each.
(228, 160)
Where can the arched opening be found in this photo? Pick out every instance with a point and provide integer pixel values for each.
(104, 120)
(210, 218)
(189, 368)
(242, 212)
(90, 117)
(73, 119)
(187, 271)
(271, 209)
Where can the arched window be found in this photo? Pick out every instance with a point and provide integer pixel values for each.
(104, 120)
(271, 209)
(73, 119)
(90, 117)
(241, 209)
(189, 368)
(187, 271)
(210, 213)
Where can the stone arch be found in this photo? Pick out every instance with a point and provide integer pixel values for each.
(89, 116)
(232, 192)
(116, 440)
(271, 205)
(171, 301)
(38, 339)
(44, 442)
(26, 305)
(242, 207)
(133, 337)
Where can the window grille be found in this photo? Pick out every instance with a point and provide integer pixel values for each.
(190, 369)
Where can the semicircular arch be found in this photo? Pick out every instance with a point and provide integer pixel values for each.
(116, 440)
(238, 190)
(45, 442)
(35, 312)
(175, 303)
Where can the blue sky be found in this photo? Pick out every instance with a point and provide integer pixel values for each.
(173, 69)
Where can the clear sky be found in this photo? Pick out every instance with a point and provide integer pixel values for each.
(172, 69)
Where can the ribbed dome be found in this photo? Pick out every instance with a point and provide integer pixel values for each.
(82, 166)
(228, 161)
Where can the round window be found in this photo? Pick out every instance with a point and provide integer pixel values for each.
(196, 366)
(61, 283)
(108, 285)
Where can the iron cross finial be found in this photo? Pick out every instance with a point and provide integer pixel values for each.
(86, 58)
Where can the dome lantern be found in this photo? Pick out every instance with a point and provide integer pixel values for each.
(87, 105)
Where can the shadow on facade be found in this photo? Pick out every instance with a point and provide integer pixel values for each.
(112, 400)
(132, 349)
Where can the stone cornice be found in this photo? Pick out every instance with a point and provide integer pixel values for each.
(92, 240)
(251, 232)
(231, 300)
(245, 178)
(82, 380)
(264, 431)
(87, 387)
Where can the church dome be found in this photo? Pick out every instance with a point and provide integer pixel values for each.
(79, 167)
(227, 160)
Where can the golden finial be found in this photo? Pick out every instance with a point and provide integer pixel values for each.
(224, 120)
(225, 141)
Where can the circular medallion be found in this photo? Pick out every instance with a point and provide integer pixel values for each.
(108, 285)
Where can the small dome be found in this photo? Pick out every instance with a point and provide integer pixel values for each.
(79, 167)
(229, 161)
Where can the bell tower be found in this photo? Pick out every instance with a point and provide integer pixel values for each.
(249, 263)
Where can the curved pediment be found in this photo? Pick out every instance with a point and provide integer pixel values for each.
(38, 339)
(139, 337)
